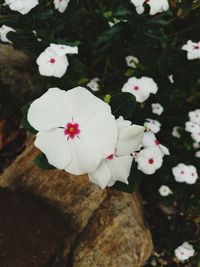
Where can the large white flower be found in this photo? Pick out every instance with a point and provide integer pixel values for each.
(22, 6)
(184, 252)
(185, 173)
(76, 129)
(53, 61)
(152, 125)
(132, 61)
(156, 6)
(4, 30)
(150, 140)
(117, 166)
(149, 160)
(140, 88)
(157, 108)
(94, 85)
(195, 116)
(61, 5)
(165, 191)
(193, 49)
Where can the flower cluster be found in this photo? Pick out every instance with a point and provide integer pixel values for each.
(193, 125)
(185, 173)
(78, 133)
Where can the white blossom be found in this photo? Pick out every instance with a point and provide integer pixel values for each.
(61, 5)
(156, 6)
(21, 6)
(132, 61)
(184, 252)
(196, 136)
(175, 132)
(195, 116)
(157, 108)
(76, 130)
(149, 160)
(152, 125)
(141, 88)
(193, 50)
(197, 154)
(165, 191)
(4, 30)
(192, 127)
(117, 166)
(94, 85)
(185, 173)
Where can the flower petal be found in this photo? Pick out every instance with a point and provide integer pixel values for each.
(54, 145)
(83, 104)
(48, 111)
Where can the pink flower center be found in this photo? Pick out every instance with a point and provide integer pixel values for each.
(157, 142)
(151, 161)
(72, 130)
(196, 47)
(136, 87)
(52, 60)
(110, 157)
(182, 172)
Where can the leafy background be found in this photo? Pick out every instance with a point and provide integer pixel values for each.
(156, 41)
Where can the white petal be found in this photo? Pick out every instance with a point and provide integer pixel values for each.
(54, 145)
(85, 157)
(48, 111)
(60, 66)
(83, 104)
(101, 176)
(102, 130)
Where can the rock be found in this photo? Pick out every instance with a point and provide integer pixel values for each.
(116, 235)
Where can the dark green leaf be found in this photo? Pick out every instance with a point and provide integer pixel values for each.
(24, 121)
(42, 162)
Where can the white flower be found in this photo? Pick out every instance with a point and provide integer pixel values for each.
(165, 191)
(193, 49)
(132, 61)
(117, 166)
(196, 136)
(76, 129)
(149, 160)
(156, 6)
(197, 154)
(22, 6)
(150, 140)
(175, 132)
(61, 5)
(140, 88)
(195, 116)
(192, 127)
(157, 108)
(4, 30)
(53, 61)
(184, 252)
(94, 85)
(171, 78)
(185, 173)
(152, 125)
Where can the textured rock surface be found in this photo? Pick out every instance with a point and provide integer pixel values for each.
(115, 236)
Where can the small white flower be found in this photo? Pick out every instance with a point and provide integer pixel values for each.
(157, 108)
(150, 140)
(197, 154)
(192, 127)
(156, 6)
(61, 5)
(149, 160)
(171, 78)
(94, 85)
(165, 191)
(152, 125)
(4, 30)
(184, 252)
(196, 136)
(185, 173)
(117, 166)
(116, 21)
(175, 132)
(53, 61)
(193, 50)
(132, 61)
(140, 88)
(21, 6)
(195, 116)
(76, 130)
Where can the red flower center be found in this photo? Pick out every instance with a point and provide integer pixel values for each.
(52, 60)
(157, 142)
(72, 130)
(110, 157)
(136, 88)
(196, 47)
(182, 172)
(151, 161)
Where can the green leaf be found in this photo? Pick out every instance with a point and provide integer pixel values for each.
(123, 104)
(42, 162)
(24, 121)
